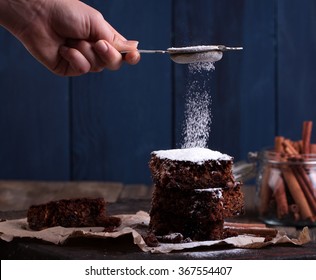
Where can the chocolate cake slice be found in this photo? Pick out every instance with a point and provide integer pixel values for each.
(194, 191)
(192, 168)
(79, 212)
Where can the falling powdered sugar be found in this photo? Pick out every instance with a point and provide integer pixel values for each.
(198, 115)
(200, 66)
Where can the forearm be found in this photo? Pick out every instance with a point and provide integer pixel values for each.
(15, 15)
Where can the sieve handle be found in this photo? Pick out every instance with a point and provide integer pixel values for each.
(146, 51)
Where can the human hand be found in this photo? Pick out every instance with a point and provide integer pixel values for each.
(69, 37)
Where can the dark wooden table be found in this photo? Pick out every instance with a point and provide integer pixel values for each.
(123, 247)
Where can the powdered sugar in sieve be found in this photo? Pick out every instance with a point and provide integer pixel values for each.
(194, 54)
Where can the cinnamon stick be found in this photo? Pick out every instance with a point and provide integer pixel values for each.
(257, 231)
(313, 148)
(279, 190)
(289, 148)
(298, 145)
(297, 194)
(280, 198)
(306, 136)
(306, 186)
(278, 144)
(265, 192)
(244, 225)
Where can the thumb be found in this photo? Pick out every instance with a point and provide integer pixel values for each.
(121, 44)
(116, 39)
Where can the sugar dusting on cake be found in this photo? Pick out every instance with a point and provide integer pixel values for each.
(216, 191)
(197, 155)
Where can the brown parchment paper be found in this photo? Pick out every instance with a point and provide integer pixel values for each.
(137, 225)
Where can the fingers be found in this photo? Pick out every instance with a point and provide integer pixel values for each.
(77, 63)
(132, 57)
(84, 57)
(122, 44)
(115, 39)
(107, 55)
(100, 55)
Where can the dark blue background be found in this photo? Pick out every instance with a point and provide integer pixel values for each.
(103, 126)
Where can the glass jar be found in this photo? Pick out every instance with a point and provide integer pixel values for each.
(286, 189)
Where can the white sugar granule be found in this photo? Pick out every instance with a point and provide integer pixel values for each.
(197, 155)
(198, 117)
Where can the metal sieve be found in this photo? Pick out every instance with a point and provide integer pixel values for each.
(193, 54)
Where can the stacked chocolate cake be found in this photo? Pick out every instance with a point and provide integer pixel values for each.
(194, 192)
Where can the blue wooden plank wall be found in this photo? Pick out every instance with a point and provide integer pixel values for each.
(34, 117)
(103, 126)
(296, 87)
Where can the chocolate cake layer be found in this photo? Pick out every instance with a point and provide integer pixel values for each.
(212, 204)
(194, 213)
(190, 175)
(196, 231)
(81, 212)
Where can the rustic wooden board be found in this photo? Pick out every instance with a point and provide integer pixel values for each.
(136, 191)
(124, 248)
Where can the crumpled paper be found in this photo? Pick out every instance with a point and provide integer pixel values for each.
(137, 225)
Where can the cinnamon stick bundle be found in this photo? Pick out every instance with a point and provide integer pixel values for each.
(295, 182)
